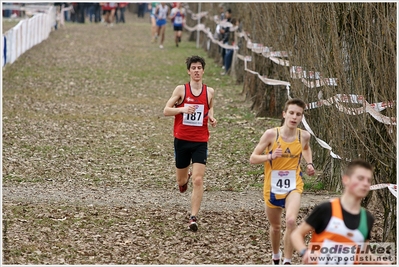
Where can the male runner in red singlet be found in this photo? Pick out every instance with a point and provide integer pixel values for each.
(281, 149)
(340, 222)
(192, 106)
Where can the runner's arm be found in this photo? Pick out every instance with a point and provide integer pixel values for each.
(212, 120)
(307, 153)
(298, 240)
(172, 14)
(316, 222)
(170, 109)
(258, 155)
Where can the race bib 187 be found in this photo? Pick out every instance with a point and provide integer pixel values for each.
(195, 119)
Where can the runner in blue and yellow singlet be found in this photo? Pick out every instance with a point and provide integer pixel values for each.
(284, 175)
(281, 150)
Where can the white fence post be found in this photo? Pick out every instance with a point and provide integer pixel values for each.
(28, 33)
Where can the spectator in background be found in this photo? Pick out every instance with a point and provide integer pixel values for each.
(177, 15)
(91, 12)
(7, 12)
(122, 9)
(228, 57)
(80, 12)
(218, 35)
(74, 12)
(116, 17)
(97, 12)
(225, 31)
(221, 10)
(141, 10)
(67, 13)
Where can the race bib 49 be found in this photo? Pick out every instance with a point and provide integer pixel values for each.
(283, 181)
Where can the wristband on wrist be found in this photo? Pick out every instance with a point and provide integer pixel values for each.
(302, 252)
(310, 164)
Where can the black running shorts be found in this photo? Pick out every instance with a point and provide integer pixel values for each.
(187, 151)
(177, 28)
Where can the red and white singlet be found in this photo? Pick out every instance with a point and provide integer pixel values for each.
(193, 127)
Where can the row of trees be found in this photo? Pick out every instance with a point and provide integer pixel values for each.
(353, 42)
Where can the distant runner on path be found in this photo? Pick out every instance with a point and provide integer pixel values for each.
(192, 106)
(161, 14)
(177, 16)
(281, 149)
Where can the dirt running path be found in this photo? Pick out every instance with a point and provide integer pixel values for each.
(133, 197)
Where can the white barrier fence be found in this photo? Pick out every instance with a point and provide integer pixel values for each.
(26, 34)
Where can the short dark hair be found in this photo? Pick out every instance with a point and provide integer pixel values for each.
(195, 59)
(357, 163)
(294, 101)
(229, 10)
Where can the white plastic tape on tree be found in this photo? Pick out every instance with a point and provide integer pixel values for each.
(201, 27)
(392, 188)
(373, 109)
(297, 72)
(263, 78)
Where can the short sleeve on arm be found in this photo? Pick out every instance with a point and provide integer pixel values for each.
(319, 217)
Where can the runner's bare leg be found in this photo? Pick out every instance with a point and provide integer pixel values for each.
(274, 217)
(182, 175)
(292, 205)
(198, 187)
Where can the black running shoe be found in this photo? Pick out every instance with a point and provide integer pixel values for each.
(193, 226)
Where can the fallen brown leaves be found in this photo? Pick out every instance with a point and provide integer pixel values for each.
(88, 172)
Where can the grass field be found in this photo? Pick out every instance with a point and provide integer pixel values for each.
(7, 24)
